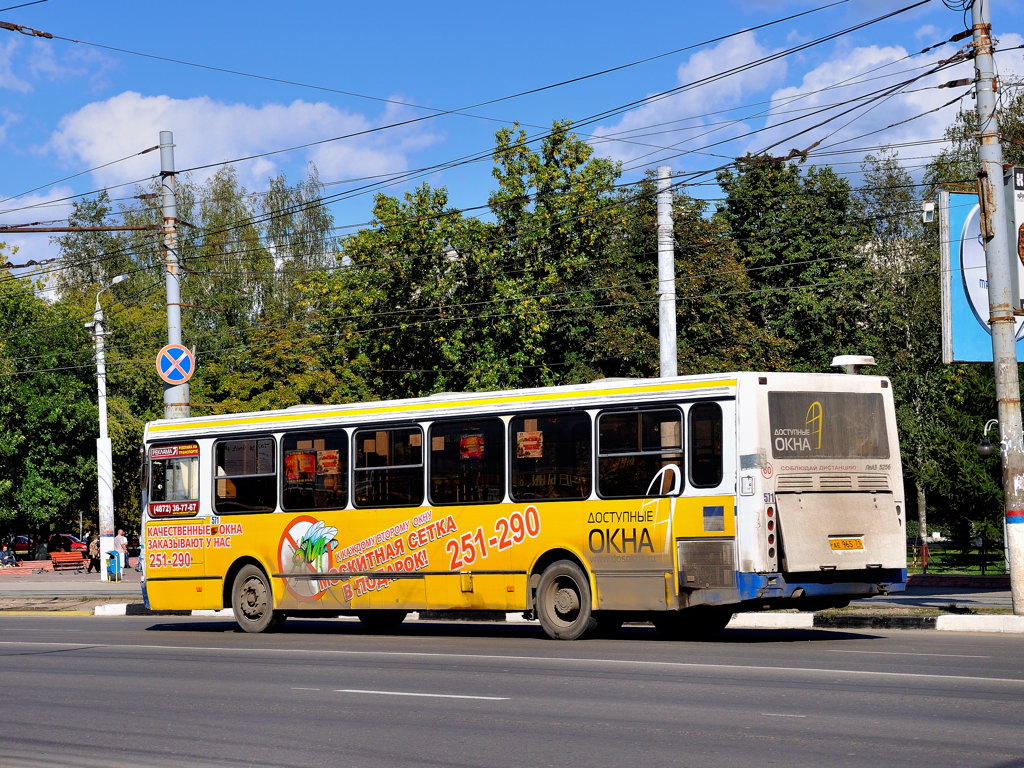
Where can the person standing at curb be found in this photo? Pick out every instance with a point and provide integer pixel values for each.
(121, 547)
(94, 553)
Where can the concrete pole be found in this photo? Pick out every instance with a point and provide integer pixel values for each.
(1000, 302)
(666, 275)
(176, 396)
(104, 452)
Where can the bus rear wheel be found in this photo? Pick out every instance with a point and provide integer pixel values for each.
(252, 601)
(563, 602)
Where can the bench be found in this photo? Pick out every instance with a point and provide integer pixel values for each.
(61, 560)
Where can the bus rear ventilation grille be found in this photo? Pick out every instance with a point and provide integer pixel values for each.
(808, 482)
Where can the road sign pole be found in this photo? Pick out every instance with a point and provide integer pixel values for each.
(176, 396)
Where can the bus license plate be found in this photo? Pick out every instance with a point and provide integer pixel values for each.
(846, 543)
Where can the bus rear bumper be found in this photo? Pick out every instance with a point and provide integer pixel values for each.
(826, 587)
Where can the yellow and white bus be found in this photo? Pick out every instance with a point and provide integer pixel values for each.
(678, 501)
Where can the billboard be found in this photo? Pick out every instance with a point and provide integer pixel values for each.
(966, 337)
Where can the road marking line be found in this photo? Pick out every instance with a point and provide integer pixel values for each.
(425, 695)
(558, 660)
(905, 653)
(780, 714)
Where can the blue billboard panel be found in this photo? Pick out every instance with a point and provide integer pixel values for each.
(966, 337)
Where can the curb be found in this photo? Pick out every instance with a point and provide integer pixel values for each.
(955, 623)
(766, 620)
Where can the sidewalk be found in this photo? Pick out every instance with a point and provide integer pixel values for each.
(36, 578)
(962, 604)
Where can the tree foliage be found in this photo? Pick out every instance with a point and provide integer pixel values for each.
(558, 283)
(48, 445)
(798, 238)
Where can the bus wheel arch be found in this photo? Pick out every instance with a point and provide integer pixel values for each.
(251, 596)
(562, 596)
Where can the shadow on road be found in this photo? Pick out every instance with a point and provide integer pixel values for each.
(456, 629)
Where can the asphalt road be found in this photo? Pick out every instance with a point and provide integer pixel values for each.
(145, 691)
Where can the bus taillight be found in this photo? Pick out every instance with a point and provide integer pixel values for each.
(770, 525)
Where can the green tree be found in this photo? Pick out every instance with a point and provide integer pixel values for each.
(798, 234)
(714, 329)
(47, 395)
(556, 217)
(298, 234)
(958, 163)
(397, 308)
(242, 343)
(903, 320)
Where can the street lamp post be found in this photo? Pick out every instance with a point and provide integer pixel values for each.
(104, 454)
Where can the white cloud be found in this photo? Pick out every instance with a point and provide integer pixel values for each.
(920, 113)
(208, 132)
(66, 66)
(9, 80)
(29, 210)
(686, 115)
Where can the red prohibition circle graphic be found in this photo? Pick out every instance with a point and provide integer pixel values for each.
(292, 558)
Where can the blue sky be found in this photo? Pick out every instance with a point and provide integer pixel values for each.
(85, 99)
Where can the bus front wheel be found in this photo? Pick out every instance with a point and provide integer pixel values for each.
(563, 602)
(252, 602)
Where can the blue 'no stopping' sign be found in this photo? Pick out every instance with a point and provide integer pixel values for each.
(175, 364)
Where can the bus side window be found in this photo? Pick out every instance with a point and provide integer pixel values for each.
(551, 456)
(706, 445)
(246, 477)
(315, 471)
(388, 468)
(633, 447)
(467, 461)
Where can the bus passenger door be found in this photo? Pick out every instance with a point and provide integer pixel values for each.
(705, 519)
(175, 572)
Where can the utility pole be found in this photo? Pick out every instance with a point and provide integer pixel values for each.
(1001, 303)
(176, 396)
(666, 276)
(104, 454)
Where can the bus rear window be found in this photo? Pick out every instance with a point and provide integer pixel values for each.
(174, 480)
(827, 425)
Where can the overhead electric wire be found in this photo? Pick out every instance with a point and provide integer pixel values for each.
(461, 110)
(586, 121)
(724, 241)
(645, 100)
(407, 175)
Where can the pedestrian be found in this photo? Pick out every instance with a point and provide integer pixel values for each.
(7, 559)
(94, 553)
(121, 547)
